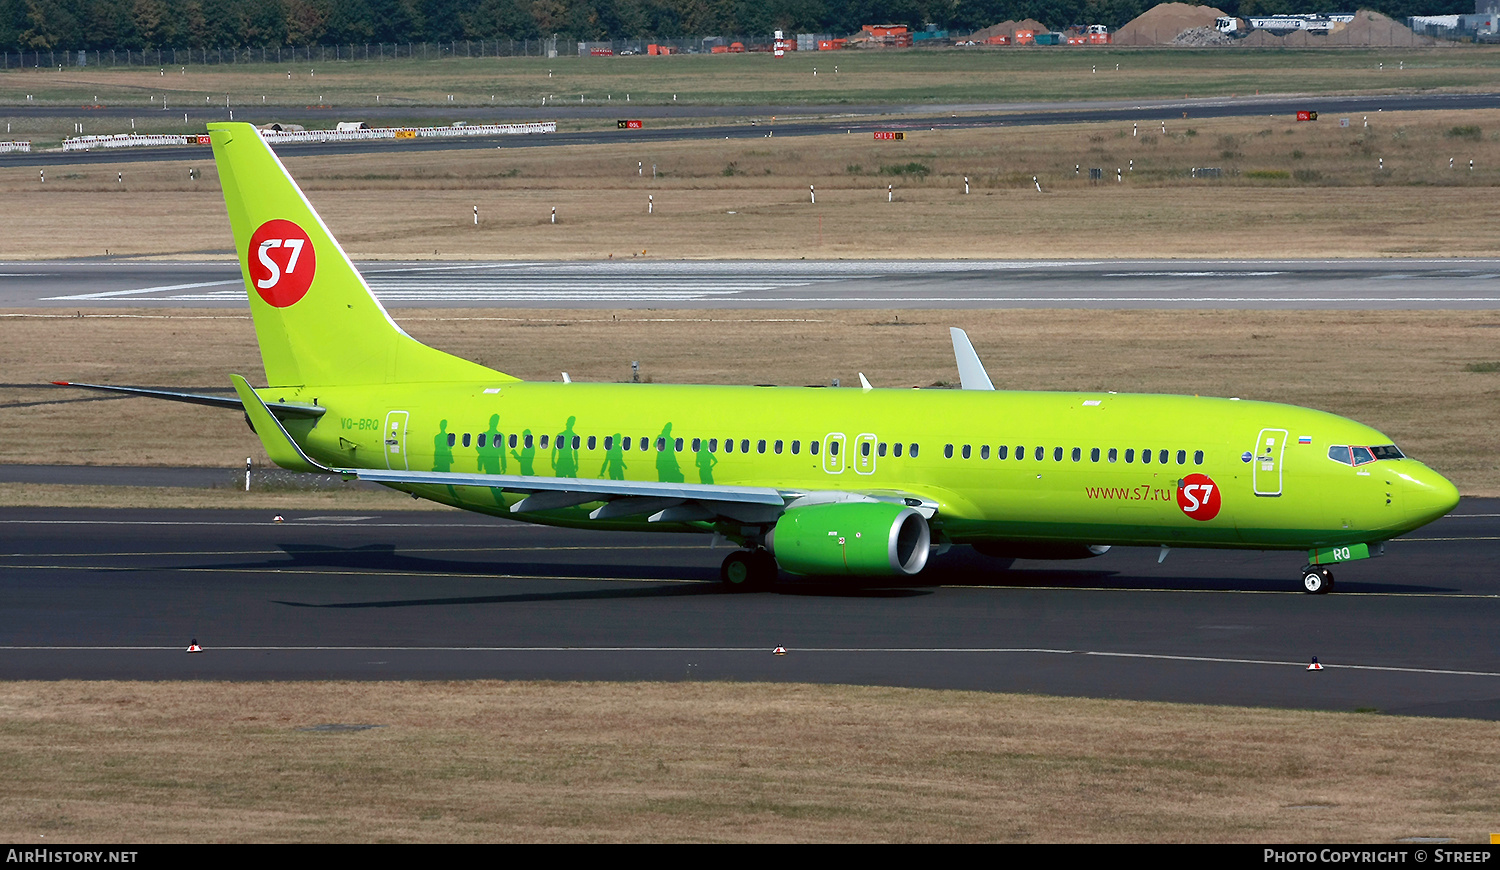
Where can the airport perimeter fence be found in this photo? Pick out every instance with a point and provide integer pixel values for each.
(382, 51)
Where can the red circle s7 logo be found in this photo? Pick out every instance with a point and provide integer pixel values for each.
(1198, 496)
(281, 261)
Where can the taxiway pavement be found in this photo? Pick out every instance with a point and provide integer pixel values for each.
(119, 594)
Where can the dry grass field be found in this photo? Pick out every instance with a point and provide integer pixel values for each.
(1403, 372)
(1286, 189)
(487, 761)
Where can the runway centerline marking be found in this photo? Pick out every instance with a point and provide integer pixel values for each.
(110, 294)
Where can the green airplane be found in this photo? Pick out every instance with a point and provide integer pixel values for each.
(818, 482)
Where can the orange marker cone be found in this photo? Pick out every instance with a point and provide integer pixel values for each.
(193, 647)
(780, 651)
(1315, 666)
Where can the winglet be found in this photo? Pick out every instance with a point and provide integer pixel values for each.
(273, 436)
(971, 374)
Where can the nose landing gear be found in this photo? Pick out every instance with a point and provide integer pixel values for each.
(1316, 580)
(745, 570)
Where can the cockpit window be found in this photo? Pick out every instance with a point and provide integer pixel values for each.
(1363, 455)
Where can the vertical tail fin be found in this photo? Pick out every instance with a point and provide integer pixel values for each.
(315, 319)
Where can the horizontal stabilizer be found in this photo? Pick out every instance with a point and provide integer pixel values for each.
(280, 409)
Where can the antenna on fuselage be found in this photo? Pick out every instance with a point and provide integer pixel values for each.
(971, 373)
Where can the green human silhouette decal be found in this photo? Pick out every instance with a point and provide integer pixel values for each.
(614, 460)
(527, 455)
(442, 454)
(492, 449)
(564, 457)
(667, 470)
(705, 462)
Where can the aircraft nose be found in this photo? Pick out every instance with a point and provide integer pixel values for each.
(1428, 495)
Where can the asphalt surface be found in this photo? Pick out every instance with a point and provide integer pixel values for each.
(117, 594)
(713, 122)
(958, 284)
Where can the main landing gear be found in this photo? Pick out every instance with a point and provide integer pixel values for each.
(744, 570)
(1317, 580)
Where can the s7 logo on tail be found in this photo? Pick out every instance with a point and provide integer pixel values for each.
(281, 262)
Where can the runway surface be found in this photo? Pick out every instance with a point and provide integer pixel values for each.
(1264, 284)
(709, 122)
(114, 594)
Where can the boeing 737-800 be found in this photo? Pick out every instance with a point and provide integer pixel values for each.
(822, 482)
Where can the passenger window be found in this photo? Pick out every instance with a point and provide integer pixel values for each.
(452, 439)
(544, 442)
(466, 439)
(1146, 457)
(576, 442)
(947, 451)
(1114, 454)
(864, 448)
(661, 444)
(481, 438)
(1129, 454)
(896, 448)
(592, 442)
(1057, 454)
(966, 451)
(1182, 457)
(880, 451)
(984, 451)
(609, 442)
(1040, 452)
(625, 443)
(1094, 455)
(1077, 453)
(913, 451)
(677, 445)
(812, 447)
(744, 445)
(833, 448)
(777, 445)
(1002, 451)
(728, 445)
(1198, 457)
(760, 446)
(1020, 453)
(645, 443)
(713, 445)
(1162, 457)
(697, 445)
(512, 440)
(796, 447)
(529, 441)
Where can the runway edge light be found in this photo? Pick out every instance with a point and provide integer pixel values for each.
(193, 647)
(1315, 666)
(779, 651)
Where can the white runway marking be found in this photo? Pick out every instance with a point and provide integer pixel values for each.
(764, 650)
(110, 294)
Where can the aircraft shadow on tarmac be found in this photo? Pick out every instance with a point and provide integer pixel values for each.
(960, 567)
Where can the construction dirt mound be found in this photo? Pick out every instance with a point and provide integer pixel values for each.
(1009, 28)
(1161, 24)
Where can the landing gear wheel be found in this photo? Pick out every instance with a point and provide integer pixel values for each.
(744, 570)
(1317, 581)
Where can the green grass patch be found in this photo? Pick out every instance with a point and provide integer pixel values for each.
(1483, 367)
(1465, 131)
(913, 168)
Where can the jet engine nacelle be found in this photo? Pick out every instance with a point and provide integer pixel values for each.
(863, 539)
